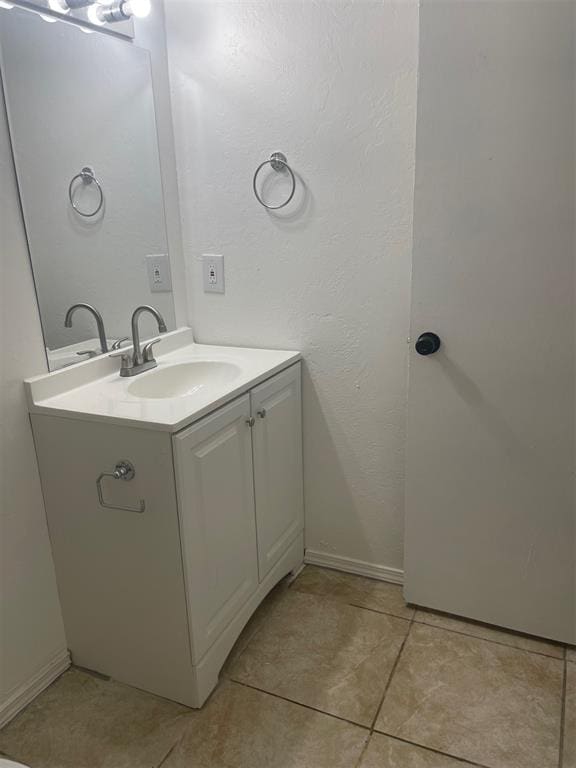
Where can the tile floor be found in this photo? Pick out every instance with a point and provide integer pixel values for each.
(333, 671)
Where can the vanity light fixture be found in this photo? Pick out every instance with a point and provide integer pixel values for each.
(65, 6)
(121, 10)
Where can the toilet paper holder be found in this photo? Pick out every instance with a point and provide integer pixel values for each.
(124, 470)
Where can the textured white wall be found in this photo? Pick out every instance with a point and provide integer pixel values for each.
(30, 622)
(333, 85)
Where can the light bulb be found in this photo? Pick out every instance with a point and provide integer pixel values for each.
(60, 6)
(96, 15)
(120, 10)
(138, 8)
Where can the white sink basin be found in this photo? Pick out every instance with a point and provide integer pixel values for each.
(191, 381)
(182, 379)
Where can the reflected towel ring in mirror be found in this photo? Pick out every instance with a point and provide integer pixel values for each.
(278, 163)
(87, 176)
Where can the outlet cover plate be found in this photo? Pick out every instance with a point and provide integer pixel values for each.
(213, 272)
(159, 275)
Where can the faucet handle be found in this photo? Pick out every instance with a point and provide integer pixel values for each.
(118, 343)
(125, 360)
(147, 351)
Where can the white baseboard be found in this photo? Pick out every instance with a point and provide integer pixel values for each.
(26, 692)
(349, 565)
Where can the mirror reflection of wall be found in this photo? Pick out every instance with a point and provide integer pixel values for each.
(75, 101)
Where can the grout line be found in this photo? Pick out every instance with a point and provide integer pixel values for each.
(180, 738)
(369, 730)
(406, 741)
(490, 640)
(170, 751)
(382, 613)
(300, 704)
(340, 601)
(413, 620)
(563, 714)
(390, 676)
(462, 760)
(435, 626)
(358, 763)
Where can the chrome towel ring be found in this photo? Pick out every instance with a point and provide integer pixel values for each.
(278, 163)
(88, 177)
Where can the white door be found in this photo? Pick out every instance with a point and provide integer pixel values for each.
(216, 507)
(277, 445)
(490, 456)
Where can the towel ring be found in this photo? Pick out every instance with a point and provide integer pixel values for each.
(278, 162)
(88, 177)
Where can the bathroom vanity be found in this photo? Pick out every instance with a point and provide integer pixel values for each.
(174, 503)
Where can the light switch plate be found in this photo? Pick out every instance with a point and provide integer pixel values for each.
(213, 272)
(159, 275)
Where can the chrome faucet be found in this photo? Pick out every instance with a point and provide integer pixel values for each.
(97, 316)
(141, 359)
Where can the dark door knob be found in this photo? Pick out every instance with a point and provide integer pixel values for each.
(428, 343)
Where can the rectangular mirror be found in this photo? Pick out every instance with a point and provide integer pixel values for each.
(81, 114)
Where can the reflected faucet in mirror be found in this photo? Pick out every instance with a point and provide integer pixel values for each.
(99, 324)
(118, 343)
(141, 359)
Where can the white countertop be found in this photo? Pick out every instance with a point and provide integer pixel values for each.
(94, 391)
(61, 357)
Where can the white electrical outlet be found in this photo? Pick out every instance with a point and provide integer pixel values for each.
(159, 276)
(213, 272)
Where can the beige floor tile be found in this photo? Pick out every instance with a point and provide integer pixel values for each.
(327, 655)
(255, 623)
(570, 718)
(476, 700)
(384, 752)
(244, 728)
(571, 653)
(83, 722)
(353, 590)
(486, 632)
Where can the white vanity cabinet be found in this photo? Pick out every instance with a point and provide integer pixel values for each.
(239, 487)
(214, 482)
(277, 451)
(157, 598)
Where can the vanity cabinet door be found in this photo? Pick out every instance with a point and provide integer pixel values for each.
(213, 461)
(277, 447)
